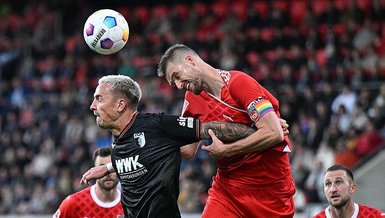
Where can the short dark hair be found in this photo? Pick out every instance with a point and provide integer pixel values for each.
(101, 152)
(341, 167)
(170, 55)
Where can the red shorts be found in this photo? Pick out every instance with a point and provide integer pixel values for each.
(226, 201)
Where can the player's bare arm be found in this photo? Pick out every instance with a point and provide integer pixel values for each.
(227, 132)
(96, 173)
(230, 132)
(270, 133)
(188, 151)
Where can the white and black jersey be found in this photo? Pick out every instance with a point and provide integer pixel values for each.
(147, 158)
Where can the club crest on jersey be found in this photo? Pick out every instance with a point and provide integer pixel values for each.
(186, 121)
(254, 116)
(140, 139)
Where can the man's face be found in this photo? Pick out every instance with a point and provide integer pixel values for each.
(107, 182)
(184, 76)
(104, 107)
(338, 188)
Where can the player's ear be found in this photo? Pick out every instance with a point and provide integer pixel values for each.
(122, 104)
(353, 188)
(190, 59)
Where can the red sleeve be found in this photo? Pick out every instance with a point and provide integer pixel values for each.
(251, 96)
(65, 209)
(254, 98)
(367, 211)
(245, 89)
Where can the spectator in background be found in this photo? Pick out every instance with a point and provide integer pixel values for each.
(99, 200)
(380, 98)
(377, 109)
(339, 188)
(313, 183)
(331, 15)
(347, 97)
(363, 39)
(369, 140)
(343, 118)
(358, 119)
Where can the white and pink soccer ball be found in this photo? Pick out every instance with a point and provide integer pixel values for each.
(106, 31)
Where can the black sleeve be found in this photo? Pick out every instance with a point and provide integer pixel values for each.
(181, 128)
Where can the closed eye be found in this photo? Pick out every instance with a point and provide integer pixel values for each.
(174, 76)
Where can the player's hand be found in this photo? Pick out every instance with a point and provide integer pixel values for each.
(94, 173)
(216, 148)
(285, 126)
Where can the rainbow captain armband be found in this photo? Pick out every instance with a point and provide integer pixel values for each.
(258, 108)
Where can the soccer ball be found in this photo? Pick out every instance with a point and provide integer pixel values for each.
(106, 31)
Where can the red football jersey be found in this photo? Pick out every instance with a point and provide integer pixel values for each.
(85, 204)
(360, 211)
(243, 100)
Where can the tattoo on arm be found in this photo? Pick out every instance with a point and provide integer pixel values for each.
(227, 132)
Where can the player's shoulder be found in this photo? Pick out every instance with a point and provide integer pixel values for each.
(233, 74)
(370, 211)
(68, 206)
(148, 115)
(148, 119)
(158, 119)
(237, 78)
(237, 72)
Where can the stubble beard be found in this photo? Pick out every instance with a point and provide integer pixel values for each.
(100, 123)
(343, 202)
(109, 187)
(197, 87)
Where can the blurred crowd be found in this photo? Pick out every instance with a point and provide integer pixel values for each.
(324, 60)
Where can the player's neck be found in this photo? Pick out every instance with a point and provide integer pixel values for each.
(343, 212)
(214, 83)
(124, 122)
(106, 196)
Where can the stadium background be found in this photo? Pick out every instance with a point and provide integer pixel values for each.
(324, 60)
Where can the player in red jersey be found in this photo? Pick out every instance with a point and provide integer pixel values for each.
(99, 200)
(339, 188)
(254, 176)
